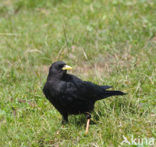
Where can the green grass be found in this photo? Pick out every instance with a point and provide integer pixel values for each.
(106, 42)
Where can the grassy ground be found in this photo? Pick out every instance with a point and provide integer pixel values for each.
(106, 42)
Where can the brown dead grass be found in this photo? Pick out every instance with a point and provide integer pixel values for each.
(105, 65)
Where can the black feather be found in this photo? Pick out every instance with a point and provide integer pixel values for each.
(71, 95)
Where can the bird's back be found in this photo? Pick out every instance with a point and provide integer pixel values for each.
(73, 95)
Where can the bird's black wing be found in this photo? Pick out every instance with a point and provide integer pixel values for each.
(83, 90)
(76, 98)
(89, 91)
(77, 87)
(101, 92)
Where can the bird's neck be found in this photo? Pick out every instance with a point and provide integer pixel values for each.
(55, 77)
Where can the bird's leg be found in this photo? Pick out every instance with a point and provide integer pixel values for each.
(88, 116)
(64, 118)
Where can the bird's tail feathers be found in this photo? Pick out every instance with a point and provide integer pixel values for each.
(111, 93)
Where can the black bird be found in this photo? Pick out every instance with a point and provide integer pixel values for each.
(71, 95)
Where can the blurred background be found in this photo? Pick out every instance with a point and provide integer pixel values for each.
(110, 42)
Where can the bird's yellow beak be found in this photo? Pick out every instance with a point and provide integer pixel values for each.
(66, 67)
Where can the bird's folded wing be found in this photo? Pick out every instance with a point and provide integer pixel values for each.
(83, 90)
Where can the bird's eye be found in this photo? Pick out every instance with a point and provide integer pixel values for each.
(61, 66)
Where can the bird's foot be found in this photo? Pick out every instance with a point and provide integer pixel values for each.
(88, 116)
(87, 126)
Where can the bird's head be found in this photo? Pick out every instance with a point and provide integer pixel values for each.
(58, 69)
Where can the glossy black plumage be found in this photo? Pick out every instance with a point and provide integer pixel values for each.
(71, 95)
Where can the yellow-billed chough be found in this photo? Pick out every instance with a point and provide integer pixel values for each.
(71, 95)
